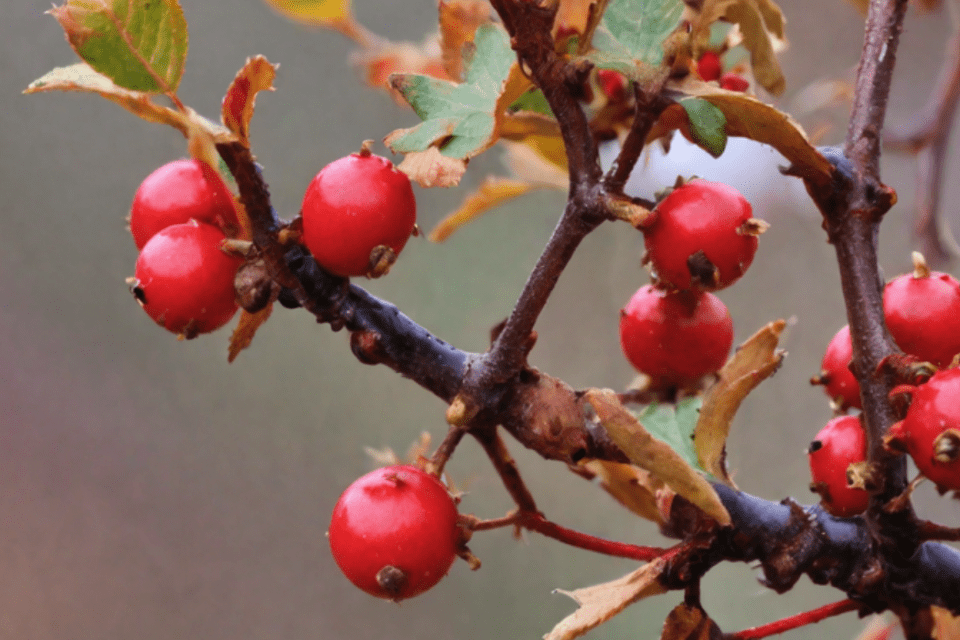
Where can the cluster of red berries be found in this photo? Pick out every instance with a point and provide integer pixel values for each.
(710, 69)
(394, 532)
(700, 238)
(922, 312)
(179, 219)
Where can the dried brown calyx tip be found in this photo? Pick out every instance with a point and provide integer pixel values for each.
(753, 227)
(946, 448)
(392, 580)
(365, 149)
(920, 267)
(382, 258)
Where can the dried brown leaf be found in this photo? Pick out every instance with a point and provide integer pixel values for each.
(431, 168)
(494, 191)
(755, 360)
(631, 486)
(246, 329)
(654, 455)
(946, 626)
(459, 20)
(747, 117)
(238, 103)
(601, 602)
(689, 623)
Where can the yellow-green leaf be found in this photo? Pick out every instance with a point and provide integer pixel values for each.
(139, 44)
(81, 77)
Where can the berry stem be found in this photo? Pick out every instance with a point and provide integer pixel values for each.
(793, 622)
(536, 522)
(445, 450)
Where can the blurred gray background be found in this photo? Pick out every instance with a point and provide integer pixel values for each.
(150, 490)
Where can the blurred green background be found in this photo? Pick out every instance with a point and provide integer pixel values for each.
(150, 490)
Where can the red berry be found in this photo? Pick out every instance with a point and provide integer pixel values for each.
(177, 192)
(835, 375)
(354, 205)
(931, 431)
(733, 82)
(675, 338)
(709, 67)
(394, 532)
(838, 445)
(613, 84)
(702, 234)
(184, 281)
(923, 315)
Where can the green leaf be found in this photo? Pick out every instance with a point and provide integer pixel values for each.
(532, 100)
(637, 28)
(708, 125)
(674, 424)
(461, 116)
(139, 44)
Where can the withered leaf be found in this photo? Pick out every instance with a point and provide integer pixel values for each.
(654, 455)
(755, 360)
(238, 103)
(747, 117)
(601, 602)
(689, 623)
(431, 168)
(631, 486)
(459, 20)
(242, 336)
(494, 191)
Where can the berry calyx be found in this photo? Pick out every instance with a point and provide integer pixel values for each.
(675, 338)
(358, 214)
(394, 532)
(709, 67)
(184, 281)
(702, 235)
(838, 381)
(734, 82)
(922, 311)
(177, 192)
(839, 444)
(930, 432)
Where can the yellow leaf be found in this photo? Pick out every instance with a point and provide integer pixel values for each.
(755, 361)
(946, 626)
(539, 160)
(493, 192)
(654, 455)
(599, 603)
(331, 14)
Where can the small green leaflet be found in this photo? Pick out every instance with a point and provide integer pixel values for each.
(140, 45)
(674, 425)
(462, 114)
(708, 125)
(633, 31)
(532, 100)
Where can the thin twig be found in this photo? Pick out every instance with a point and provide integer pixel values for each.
(536, 522)
(793, 622)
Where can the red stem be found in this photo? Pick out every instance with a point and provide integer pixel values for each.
(792, 622)
(536, 522)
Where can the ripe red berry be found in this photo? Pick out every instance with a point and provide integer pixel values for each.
(931, 431)
(922, 311)
(184, 281)
(353, 206)
(702, 234)
(613, 84)
(839, 444)
(709, 67)
(177, 192)
(734, 82)
(394, 532)
(675, 338)
(835, 375)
